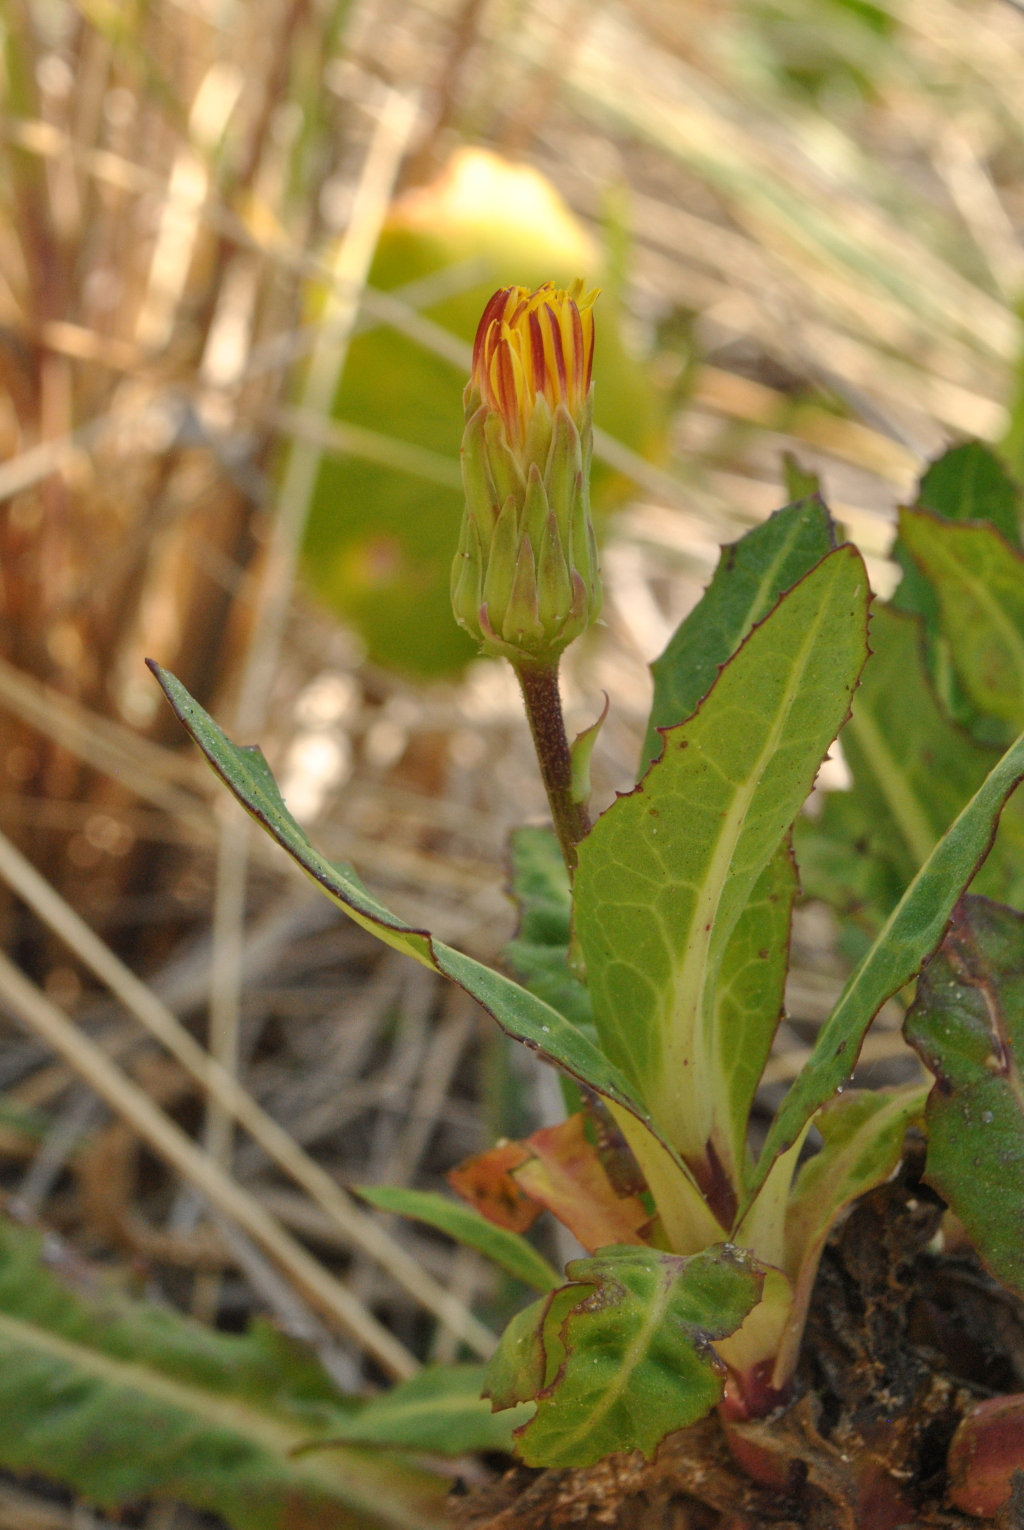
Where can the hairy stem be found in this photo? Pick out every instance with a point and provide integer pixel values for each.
(543, 702)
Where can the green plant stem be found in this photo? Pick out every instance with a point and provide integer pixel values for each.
(543, 702)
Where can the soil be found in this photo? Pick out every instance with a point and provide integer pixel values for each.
(900, 1341)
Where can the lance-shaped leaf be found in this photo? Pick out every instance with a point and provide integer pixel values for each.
(967, 1024)
(751, 983)
(863, 1132)
(667, 871)
(539, 954)
(508, 1250)
(751, 575)
(440, 1412)
(910, 935)
(124, 1401)
(978, 578)
(521, 1014)
(565, 1174)
(634, 1351)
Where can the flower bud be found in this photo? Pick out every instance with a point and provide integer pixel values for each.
(525, 580)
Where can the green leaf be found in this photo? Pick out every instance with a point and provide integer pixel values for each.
(751, 987)
(122, 1401)
(913, 769)
(440, 1411)
(509, 1250)
(637, 1359)
(581, 751)
(969, 483)
(751, 575)
(666, 872)
(978, 579)
(910, 935)
(967, 1024)
(521, 1014)
(863, 1132)
(539, 954)
(844, 861)
(800, 482)
(531, 1351)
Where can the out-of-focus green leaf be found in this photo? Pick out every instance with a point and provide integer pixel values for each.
(910, 935)
(842, 860)
(913, 770)
(978, 580)
(380, 540)
(122, 1401)
(633, 1350)
(667, 871)
(440, 1411)
(508, 1250)
(967, 1024)
(969, 483)
(800, 482)
(751, 575)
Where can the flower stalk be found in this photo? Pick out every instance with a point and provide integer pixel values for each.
(525, 579)
(543, 703)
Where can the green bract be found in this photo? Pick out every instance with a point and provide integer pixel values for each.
(654, 978)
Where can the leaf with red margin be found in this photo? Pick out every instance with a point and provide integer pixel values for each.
(666, 874)
(565, 1174)
(520, 1014)
(967, 1025)
(633, 1357)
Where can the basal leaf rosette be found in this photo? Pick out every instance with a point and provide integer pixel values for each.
(525, 579)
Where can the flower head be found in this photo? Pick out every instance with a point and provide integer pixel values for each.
(525, 581)
(531, 344)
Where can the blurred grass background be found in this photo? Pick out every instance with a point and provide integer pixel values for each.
(243, 248)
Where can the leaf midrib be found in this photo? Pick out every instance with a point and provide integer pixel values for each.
(635, 1352)
(693, 974)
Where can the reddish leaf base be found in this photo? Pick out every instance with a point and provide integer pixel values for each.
(987, 1450)
(901, 1348)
